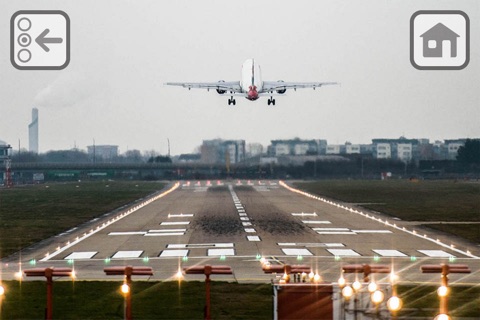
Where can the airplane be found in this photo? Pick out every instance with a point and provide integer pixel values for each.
(251, 85)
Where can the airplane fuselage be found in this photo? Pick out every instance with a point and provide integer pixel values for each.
(251, 81)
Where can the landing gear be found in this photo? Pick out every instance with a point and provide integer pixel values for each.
(231, 101)
(271, 101)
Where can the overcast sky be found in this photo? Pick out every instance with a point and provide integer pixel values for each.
(122, 52)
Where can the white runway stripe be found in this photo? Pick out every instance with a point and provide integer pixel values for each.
(164, 234)
(80, 255)
(344, 252)
(127, 233)
(316, 222)
(436, 253)
(297, 252)
(372, 231)
(175, 223)
(127, 254)
(200, 245)
(174, 253)
(221, 252)
(389, 253)
(253, 238)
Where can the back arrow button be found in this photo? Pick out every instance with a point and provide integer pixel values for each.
(41, 40)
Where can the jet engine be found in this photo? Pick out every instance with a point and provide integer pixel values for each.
(220, 91)
(281, 91)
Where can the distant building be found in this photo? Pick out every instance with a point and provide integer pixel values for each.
(452, 147)
(33, 132)
(334, 149)
(254, 149)
(382, 150)
(102, 152)
(400, 149)
(220, 151)
(295, 147)
(4, 150)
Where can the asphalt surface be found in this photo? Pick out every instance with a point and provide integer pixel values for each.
(236, 223)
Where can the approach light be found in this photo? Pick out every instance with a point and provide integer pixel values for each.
(2, 290)
(394, 304)
(18, 275)
(377, 297)
(372, 287)
(179, 274)
(125, 288)
(347, 292)
(342, 282)
(442, 291)
(442, 316)
(311, 275)
(316, 277)
(357, 285)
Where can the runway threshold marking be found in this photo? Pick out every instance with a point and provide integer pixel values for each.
(379, 220)
(436, 253)
(389, 253)
(297, 252)
(344, 252)
(220, 252)
(127, 254)
(174, 253)
(118, 217)
(81, 255)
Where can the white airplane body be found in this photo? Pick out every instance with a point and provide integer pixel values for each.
(251, 85)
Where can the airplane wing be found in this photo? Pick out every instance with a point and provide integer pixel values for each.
(232, 86)
(280, 85)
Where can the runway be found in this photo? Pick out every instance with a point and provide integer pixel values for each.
(236, 223)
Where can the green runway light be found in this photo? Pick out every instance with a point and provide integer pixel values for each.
(452, 259)
(337, 258)
(33, 262)
(258, 257)
(185, 259)
(376, 258)
(70, 261)
(146, 259)
(107, 260)
(299, 258)
(413, 258)
(223, 258)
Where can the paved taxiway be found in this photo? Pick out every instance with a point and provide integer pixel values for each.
(234, 223)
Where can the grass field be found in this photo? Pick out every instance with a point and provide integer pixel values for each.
(427, 201)
(150, 300)
(170, 300)
(32, 213)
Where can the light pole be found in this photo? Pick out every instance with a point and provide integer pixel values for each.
(128, 272)
(208, 270)
(442, 291)
(301, 270)
(377, 296)
(49, 273)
